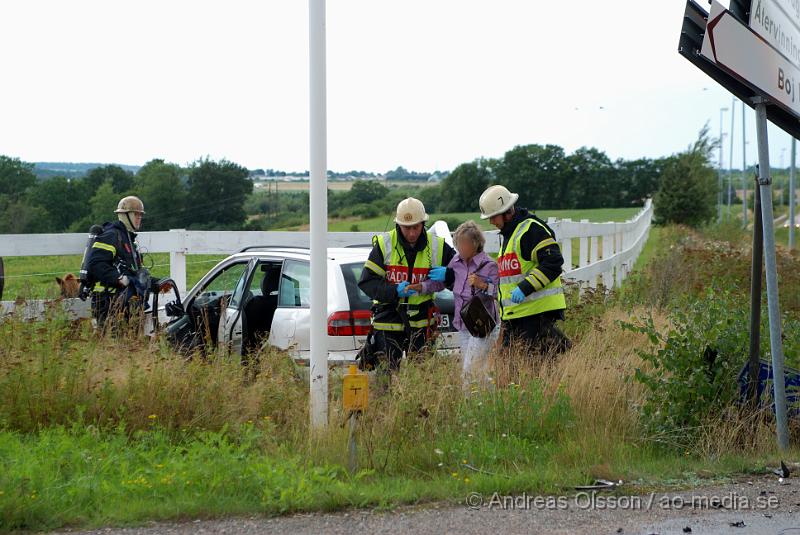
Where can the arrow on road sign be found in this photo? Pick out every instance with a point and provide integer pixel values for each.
(747, 56)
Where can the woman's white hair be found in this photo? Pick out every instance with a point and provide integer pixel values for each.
(470, 229)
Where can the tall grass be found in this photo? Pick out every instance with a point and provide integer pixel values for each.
(58, 372)
(98, 428)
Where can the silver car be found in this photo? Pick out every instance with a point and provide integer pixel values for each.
(264, 293)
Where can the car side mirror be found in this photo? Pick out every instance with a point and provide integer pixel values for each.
(174, 309)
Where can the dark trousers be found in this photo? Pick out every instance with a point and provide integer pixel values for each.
(107, 305)
(539, 332)
(389, 345)
(101, 306)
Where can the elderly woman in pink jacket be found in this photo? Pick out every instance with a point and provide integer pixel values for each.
(473, 271)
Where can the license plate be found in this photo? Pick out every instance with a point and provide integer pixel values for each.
(445, 321)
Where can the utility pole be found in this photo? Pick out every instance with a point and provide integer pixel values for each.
(744, 167)
(318, 197)
(719, 185)
(792, 177)
(730, 158)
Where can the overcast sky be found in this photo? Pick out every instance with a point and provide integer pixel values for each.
(426, 84)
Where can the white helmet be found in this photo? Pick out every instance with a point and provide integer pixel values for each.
(410, 212)
(130, 204)
(496, 200)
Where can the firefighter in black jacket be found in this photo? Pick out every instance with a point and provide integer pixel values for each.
(530, 265)
(114, 260)
(403, 317)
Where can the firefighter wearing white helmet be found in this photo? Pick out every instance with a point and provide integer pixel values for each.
(114, 259)
(403, 316)
(530, 264)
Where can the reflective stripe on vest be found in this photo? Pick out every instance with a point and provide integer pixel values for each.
(396, 271)
(535, 296)
(99, 288)
(513, 269)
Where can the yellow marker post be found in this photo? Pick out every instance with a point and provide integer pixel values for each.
(355, 398)
(355, 393)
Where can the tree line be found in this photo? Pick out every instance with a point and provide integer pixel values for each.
(205, 195)
(219, 194)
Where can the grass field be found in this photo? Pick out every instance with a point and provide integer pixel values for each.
(35, 276)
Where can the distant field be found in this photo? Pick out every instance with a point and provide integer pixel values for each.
(379, 224)
(34, 276)
(340, 185)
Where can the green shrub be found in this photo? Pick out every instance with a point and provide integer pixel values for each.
(693, 367)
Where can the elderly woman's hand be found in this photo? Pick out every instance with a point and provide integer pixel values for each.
(477, 282)
(415, 287)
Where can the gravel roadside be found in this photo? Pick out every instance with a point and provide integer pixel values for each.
(758, 505)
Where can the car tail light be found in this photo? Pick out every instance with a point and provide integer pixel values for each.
(349, 323)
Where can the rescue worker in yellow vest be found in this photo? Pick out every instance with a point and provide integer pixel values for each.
(530, 265)
(402, 317)
(114, 261)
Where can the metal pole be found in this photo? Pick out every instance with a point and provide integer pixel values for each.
(744, 167)
(773, 306)
(352, 448)
(730, 158)
(792, 172)
(318, 198)
(756, 272)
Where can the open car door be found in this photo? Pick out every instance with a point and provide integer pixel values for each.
(231, 322)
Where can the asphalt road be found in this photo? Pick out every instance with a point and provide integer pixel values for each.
(759, 505)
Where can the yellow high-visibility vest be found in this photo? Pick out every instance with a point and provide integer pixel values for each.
(513, 269)
(396, 271)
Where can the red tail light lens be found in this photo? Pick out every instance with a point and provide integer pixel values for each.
(349, 323)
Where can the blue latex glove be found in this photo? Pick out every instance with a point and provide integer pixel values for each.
(401, 290)
(437, 274)
(517, 296)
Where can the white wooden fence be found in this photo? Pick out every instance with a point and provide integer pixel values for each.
(607, 251)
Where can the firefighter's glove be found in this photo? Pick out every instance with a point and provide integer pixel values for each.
(123, 281)
(517, 296)
(437, 274)
(402, 292)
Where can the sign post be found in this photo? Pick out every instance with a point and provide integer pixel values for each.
(755, 297)
(770, 261)
(761, 65)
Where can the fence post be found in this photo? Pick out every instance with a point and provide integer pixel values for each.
(608, 252)
(593, 257)
(566, 249)
(177, 260)
(583, 251)
(583, 248)
(618, 238)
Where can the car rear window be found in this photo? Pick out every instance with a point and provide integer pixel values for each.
(358, 299)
